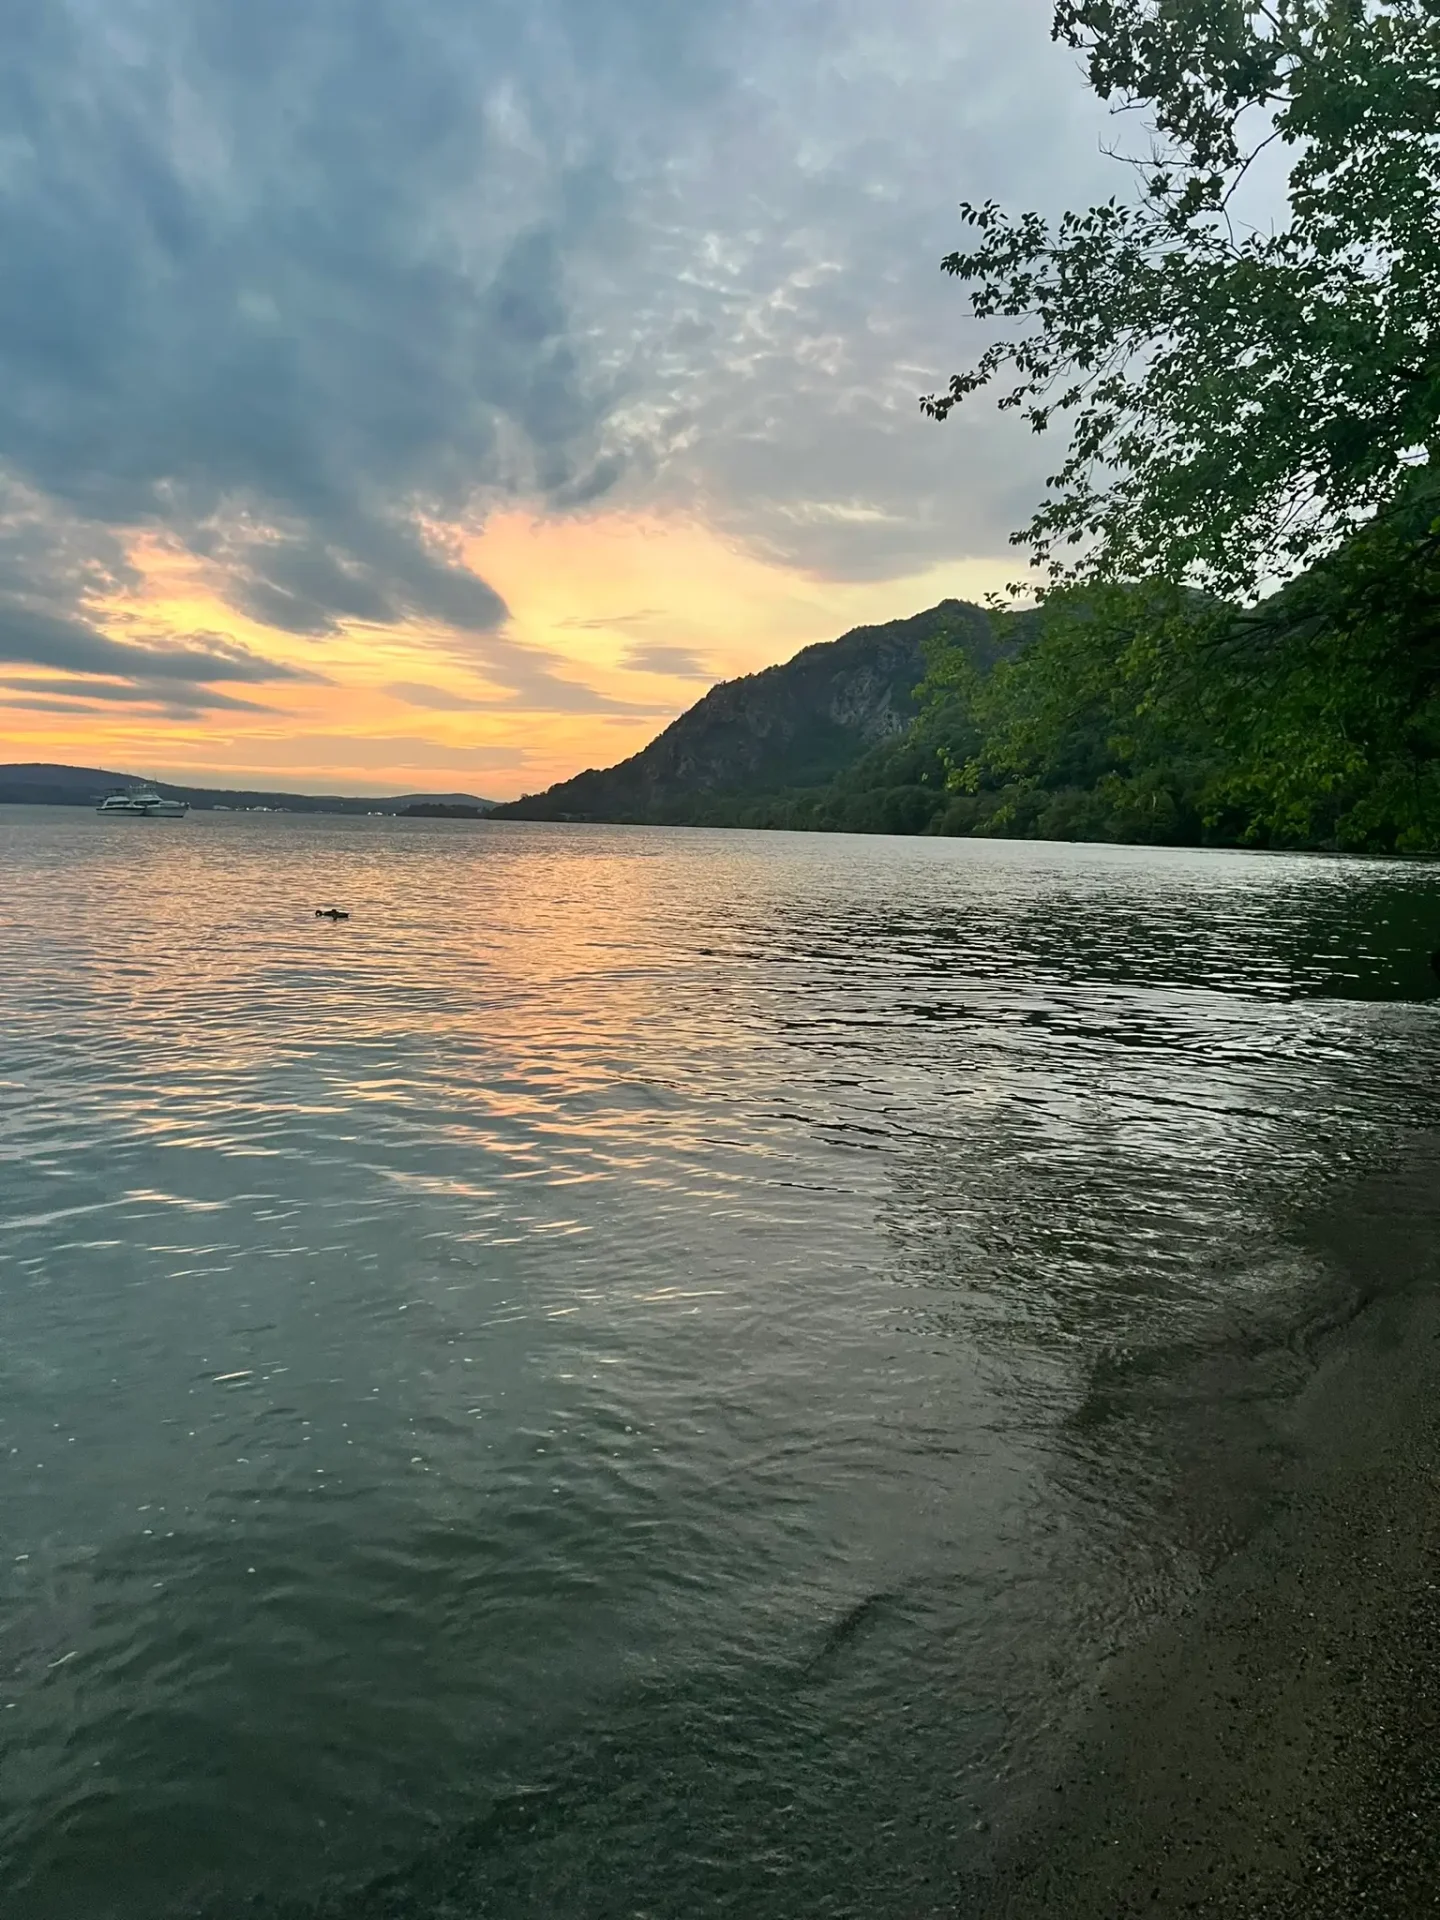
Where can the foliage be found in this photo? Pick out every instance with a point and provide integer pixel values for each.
(1081, 737)
(1157, 715)
(900, 785)
(1239, 400)
(1327, 698)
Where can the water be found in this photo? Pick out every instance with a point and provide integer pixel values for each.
(639, 1374)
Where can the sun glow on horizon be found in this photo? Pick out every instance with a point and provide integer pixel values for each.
(618, 622)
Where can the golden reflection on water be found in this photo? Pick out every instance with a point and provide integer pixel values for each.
(621, 1296)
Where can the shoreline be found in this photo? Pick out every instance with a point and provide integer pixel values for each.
(1273, 1748)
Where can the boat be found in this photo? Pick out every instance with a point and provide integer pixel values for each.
(143, 802)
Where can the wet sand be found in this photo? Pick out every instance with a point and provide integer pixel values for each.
(1275, 1750)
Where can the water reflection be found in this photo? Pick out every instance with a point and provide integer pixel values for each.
(643, 1359)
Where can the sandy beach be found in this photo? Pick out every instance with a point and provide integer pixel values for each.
(1275, 1749)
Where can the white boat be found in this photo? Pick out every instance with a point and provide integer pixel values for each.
(145, 802)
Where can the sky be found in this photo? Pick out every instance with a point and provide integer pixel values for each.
(438, 395)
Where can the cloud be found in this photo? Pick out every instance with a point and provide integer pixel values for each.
(436, 699)
(615, 622)
(171, 697)
(35, 637)
(554, 695)
(681, 663)
(301, 286)
(54, 569)
(294, 281)
(528, 682)
(35, 704)
(301, 583)
(329, 753)
(801, 235)
(646, 656)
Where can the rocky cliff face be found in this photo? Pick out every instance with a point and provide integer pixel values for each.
(794, 725)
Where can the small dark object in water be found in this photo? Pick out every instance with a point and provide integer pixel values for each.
(330, 913)
(1435, 964)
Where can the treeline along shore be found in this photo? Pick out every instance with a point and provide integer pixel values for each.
(1145, 714)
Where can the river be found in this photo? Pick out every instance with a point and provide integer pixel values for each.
(641, 1373)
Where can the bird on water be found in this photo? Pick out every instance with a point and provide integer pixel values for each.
(330, 913)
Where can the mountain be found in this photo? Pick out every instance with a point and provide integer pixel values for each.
(37, 784)
(792, 726)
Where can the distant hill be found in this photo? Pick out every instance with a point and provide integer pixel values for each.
(791, 726)
(37, 784)
(441, 810)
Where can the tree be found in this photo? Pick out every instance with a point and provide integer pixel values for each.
(1239, 400)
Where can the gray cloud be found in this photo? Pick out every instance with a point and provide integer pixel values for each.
(681, 663)
(324, 751)
(59, 693)
(647, 656)
(542, 691)
(435, 699)
(53, 566)
(797, 311)
(310, 269)
(303, 584)
(294, 284)
(34, 703)
(615, 622)
(35, 637)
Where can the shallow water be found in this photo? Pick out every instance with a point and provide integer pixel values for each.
(629, 1378)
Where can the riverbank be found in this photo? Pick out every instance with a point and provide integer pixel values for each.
(1276, 1750)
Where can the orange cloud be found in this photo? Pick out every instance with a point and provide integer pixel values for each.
(627, 617)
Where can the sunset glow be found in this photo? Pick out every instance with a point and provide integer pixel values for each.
(631, 615)
(420, 397)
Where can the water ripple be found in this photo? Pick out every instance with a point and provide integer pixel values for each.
(638, 1373)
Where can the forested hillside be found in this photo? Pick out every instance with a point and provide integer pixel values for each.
(1241, 400)
(795, 725)
(1156, 715)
